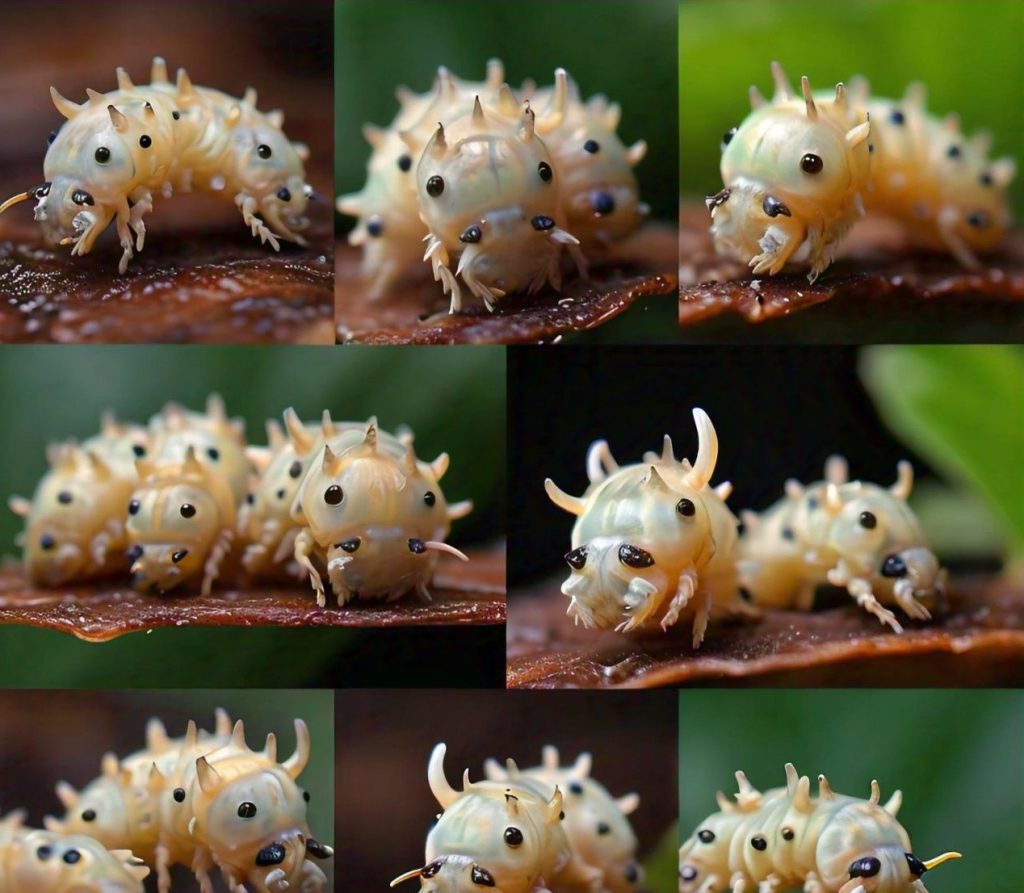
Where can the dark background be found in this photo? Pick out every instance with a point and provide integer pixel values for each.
(779, 412)
(384, 740)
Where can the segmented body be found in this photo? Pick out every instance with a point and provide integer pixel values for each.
(33, 861)
(652, 541)
(119, 151)
(596, 823)
(857, 535)
(785, 838)
(207, 801)
(799, 171)
(496, 188)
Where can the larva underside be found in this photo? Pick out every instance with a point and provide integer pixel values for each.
(117, 152)
(800, 170)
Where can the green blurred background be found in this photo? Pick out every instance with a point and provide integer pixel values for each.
(956, 755)
(968, 54)
(49, 736)
(453, 398)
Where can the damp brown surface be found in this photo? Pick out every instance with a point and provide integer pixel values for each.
(977, 641)
(463, 593)
(877, 282)
(417, 311)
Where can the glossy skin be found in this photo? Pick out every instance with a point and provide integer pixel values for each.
(852, 534)
(799, 171)
(117, 151)
(205, 825)
(785, 838)
(651, 541)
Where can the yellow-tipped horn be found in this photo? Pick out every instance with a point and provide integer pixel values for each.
(938, 860)
(408, 876)
(15, 199)
(805, 88)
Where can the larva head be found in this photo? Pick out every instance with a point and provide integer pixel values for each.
(56, 863)
(792, 165)
(175, 516)
(255, 814)
(492, 837)
(103, 809)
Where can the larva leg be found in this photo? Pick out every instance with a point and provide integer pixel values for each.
(217, 554)
(437, 254)
(256, 554)
(711, 885)
(201, 865)
(86, 236)
(804, 599)
(286, 547)
(770, 884)
(860, 589)
(163, 873)
(684, 592)
(125, 235)
(700, 620)
(904, 593)
(336, 574)
(778, 246)
(813, 884)
(947, 220)
(313, 879)
(249, 206)
(738, 883)
(142, 205)
(304, 547)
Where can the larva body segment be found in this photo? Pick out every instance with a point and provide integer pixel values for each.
(118, 151)
(499, 834)
(785, 838)
(33, 861)
(652, 541)
(800, 170)
(857, 535)
(206, 801)
(595, 823)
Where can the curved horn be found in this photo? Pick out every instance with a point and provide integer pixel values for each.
(571, 504)
(301, 439)
(938, 860)
(445, 794)
(66, 794)
(783, 89)
(707, 451)
(805, 88)
(435, 546)
(327, 425)
(207, 776)
(63, 105)
(628, 803)
(297, 761)
(238, 735)
(904, 480)
(549, 758)
(584, 763)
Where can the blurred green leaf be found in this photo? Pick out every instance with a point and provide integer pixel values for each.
(662, 866)
(959, 523)
(960, 408)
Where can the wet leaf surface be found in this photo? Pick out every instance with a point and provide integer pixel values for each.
(463, 593)
(977, 640)
(417, 313)
(876, 280)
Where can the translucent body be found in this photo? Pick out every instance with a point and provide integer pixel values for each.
(119, 150)
(652, 540)
(206, 801)
(852, 534)
(785, 838)
(799, 171)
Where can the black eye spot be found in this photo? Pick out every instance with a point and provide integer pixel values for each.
(139, 450)
(812, 502)
(631, 873)
(246, 810)
(788, 534)
(544, 171)
(788, 834)
(430, 870)
(871, 148)
(285, 194)
(603, 202)
(306, 796)
(72, 856)
(575, 788)
(513, 836)
(250, 498)
(145, 141)
(577, 558)
(271, 855)
(727, 137)
(213, 453)
(688, 873)
(187, 510)
(481, 876)
(429, 498)
(89, 815)
(81, 197)
(47, 542)
(894, 566)
(867, 520)
(133, 507)
(542, 223)
(986, 179)
(295, 469)
(759, 844)
(592, 146)
(897, 117)
(631, 556)
(602, 828)
(102, 155)
(179, 556)
(42, 190)
(417, 546)
(404, 162)
(706, 836)
(471, 235)
(264, 151)
(44, 853)
(333, 495)
(979, 219)
(51, 137)
(176, 114)
(773, 207)
(179, 795)
(811, 164)
(866, 867)
(953, 152)
(686, 508)
(375, 226)
(350, 545)
(435, 186)
(280, 494)
(64, 498)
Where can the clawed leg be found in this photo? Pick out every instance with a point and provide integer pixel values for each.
(143, 204)
(313, 880)
(126, 237)
(700, 620)
(336, 574)
(738, 883)
(304, 547)
(437, 254)
(860, 590)
(770, 884)
(249, 208)
(904, 593)
(211, 570)
(777, 247)
(163, 873)
(684, 592)
(813, 884)
(947, 221)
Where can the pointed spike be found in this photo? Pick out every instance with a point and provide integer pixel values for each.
(856, 135)
(298, 760)
(478, 114)
(184, 83)
(549, 758)
(275, 435)
(65, 106)
(1003, 171)
(667, 454)
(250, 96)
(938, 860)
(655, 481)
(915, 96)
(330, 460)
(893, 804)
(757, 99)
(837, 470)
(783, 89)
(443, 792)
(158, 73)
(507, 102)
(904, 481)
(825, 791)
(221, 721)
(156, 736)
(572, 504)
(275, 118)
(628, 803)
(301, 439)
(207, 776)
(234, 117)
(119, 121)
(238, 735)
(270, 748)
(495, 74)
(842, 99)
(110, 766)
(876, 792)
(635, 153)
(95, 97)
(149, 113)
(805, 88)
(67, 795)
(707, 451)
(123, 81)
(191, 735)
(439, 466)
(370, 437)
(527, 126)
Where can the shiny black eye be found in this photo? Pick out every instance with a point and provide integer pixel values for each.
(72, 856)
(404, 162)
(430, 870)
(897, 117)
(759, 844)
(89, 815)
(435, 186)
(545, 172)
(429, 498)
(481, 876)
(894, 566)
(577, 558)
(179, 556)
(706, 836)
(51, 137)
(139, 450)
(686, 508)
(417, 546)
(603, 828)
(351, 545)
(213, 453)
(727, 137)
(542, 223)
(271, 855)
(179, 795)
(375, 226)
(81, 197)
(102, 155)
(592, 146)
(979, 219)
(631, 873)
(603, 202)
(986, 179)
(44, 853)
(133, 507)
(176, 115)
(513, 836)
(917, 867)
(264, 151)
(867, 520)
(788, 834)
(953, 152)
(811, 164)
(631, 556)
(285, 194)
(306, 796)
(295, 469)
(333, 495)
(866, 867)
(187, 510)
(64, 498)
(788, 534)
(246, 810)
(575, 788)
(145, 141)
(471, 235)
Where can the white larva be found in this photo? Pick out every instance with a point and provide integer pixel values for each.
(119, 151)
(800, 170)
(784, 838)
